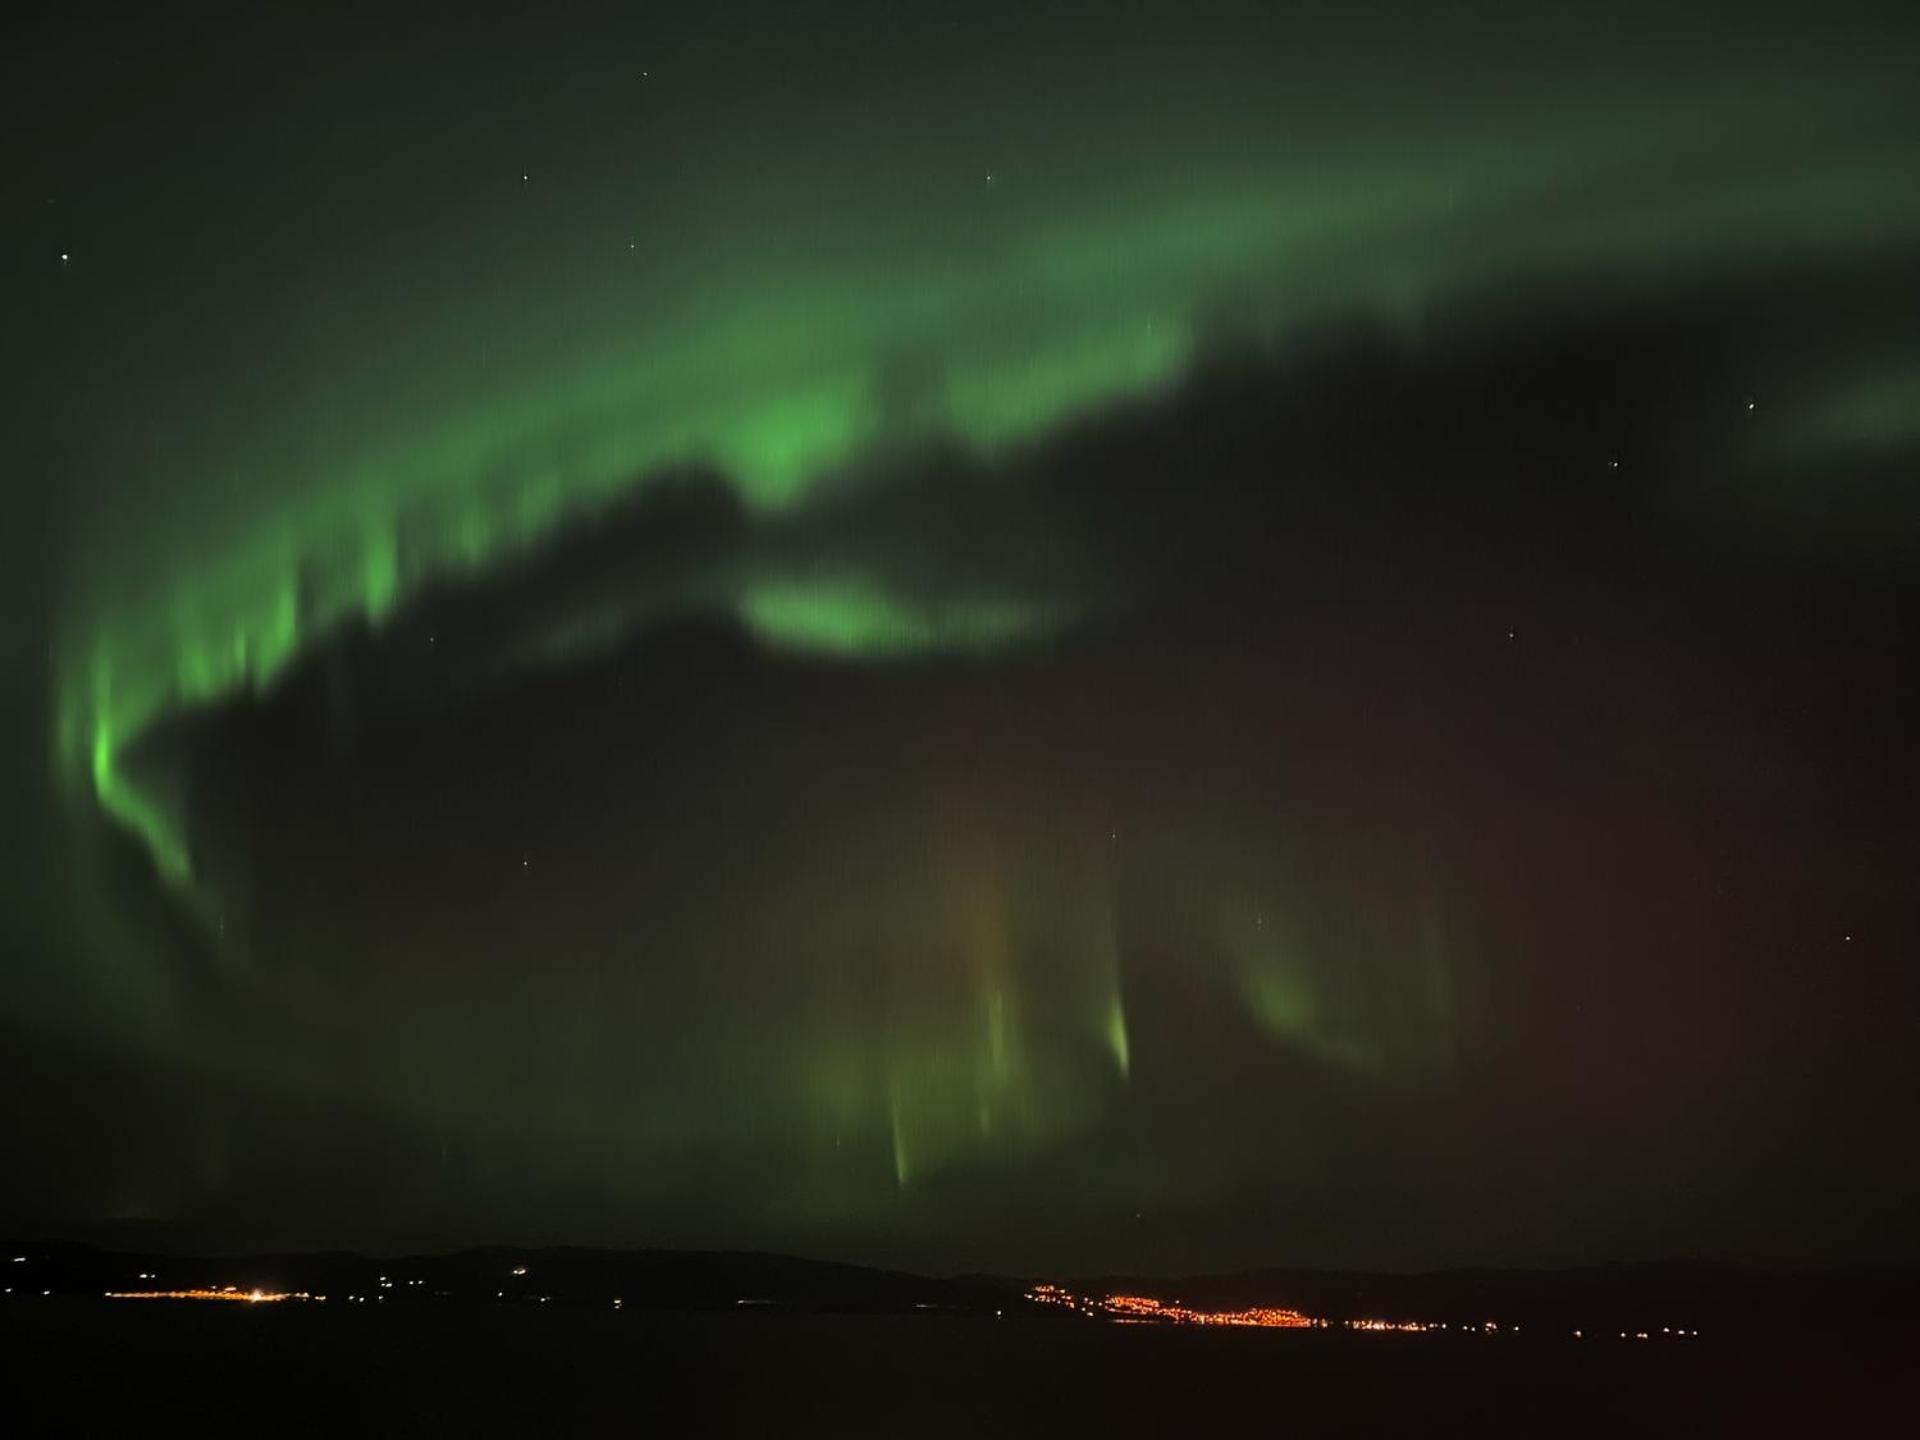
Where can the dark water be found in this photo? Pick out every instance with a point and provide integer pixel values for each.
(83, 1368)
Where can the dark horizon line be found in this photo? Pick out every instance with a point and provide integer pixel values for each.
(15, 1239)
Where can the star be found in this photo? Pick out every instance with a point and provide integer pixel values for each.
(65, 258)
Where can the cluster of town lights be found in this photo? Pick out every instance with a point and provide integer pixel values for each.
(1139, 1308)
(225, 1292)
(1144, 1309)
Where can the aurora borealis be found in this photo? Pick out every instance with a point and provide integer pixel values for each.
(1001, 635)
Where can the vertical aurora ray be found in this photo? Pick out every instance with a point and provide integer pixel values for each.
(1116, 1035)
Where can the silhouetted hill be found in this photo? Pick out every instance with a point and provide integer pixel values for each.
(1724, 1301)
(639, 1279)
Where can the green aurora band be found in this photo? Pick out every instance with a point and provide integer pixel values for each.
(443, 422)
(783, 380)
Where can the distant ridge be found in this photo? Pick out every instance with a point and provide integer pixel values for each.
(1718, 1300)
(565, 1275)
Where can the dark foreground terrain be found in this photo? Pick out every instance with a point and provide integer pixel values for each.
(83, 1367)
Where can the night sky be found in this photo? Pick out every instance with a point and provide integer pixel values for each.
(973, 636)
